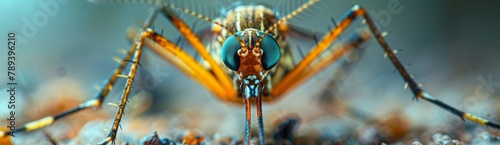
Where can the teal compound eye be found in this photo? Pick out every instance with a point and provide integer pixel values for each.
(271, 54)
(269, 46)
(229, 52)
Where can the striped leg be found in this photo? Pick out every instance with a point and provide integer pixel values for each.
(306, 68)
(137, 46)
(38, 124)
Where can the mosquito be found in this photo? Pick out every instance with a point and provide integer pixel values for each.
(248, 62)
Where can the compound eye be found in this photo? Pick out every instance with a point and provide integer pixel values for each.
(229, 52)
(271, 54)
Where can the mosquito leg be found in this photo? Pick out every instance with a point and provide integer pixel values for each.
(300, 70)
(215, 79)
(38, 124)
(356, 12)
(184, 62)
(138, 45)
(329, 98)
(304, 70)
(415, 88)
(131, 76)
(222, 77)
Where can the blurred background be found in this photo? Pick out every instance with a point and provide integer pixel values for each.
(65, 48)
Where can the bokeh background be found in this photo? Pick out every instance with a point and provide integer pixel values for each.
(450, 46)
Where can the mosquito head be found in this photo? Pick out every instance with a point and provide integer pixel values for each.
(250, 58)
(253, 52)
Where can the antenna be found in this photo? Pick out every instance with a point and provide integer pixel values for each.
(289, 16)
